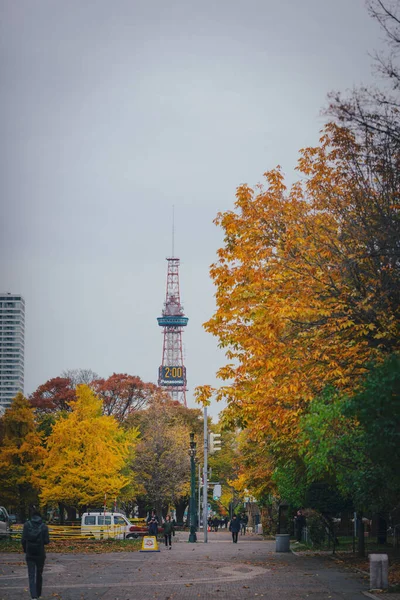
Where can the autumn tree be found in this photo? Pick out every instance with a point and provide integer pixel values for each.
(88, 455)
(307, 286)
(375, 110)
(225, 468)
(162, 460)
(53, 396)
(79, 376)
(21, 455)
(123, 394)
(307, 283)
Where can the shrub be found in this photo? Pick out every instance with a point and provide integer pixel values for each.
(316, 525)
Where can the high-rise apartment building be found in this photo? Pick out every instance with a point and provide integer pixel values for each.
(12, 346)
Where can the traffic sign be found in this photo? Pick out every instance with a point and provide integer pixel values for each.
(217, 491)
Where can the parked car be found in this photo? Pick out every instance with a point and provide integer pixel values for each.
(12, 519)
(4, 522)
(109, 525)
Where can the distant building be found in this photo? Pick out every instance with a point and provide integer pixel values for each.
(12, 346)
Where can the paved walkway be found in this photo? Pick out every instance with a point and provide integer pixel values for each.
(218, 569)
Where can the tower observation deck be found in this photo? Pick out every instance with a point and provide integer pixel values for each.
(172, 372)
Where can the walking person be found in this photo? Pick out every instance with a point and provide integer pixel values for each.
(215, 523)
(234, 528)
(152, 523)
(244, 519)
(35, 536)
(169, 531)
(210, 523)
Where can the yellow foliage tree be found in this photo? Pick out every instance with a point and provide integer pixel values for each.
(21, 455)
(87, 455)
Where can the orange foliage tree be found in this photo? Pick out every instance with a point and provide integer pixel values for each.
(53, 396)
(122, 394)
(307, 283)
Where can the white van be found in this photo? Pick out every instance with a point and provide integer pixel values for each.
(4, 523)
(103, 525)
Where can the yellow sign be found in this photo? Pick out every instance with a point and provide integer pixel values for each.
(149, 544)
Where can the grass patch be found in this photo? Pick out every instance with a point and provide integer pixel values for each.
(78, 546)
(9, 545)
(300, 546)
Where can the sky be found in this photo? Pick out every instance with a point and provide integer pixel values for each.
(112, 113)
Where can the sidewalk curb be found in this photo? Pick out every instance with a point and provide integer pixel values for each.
(335, 558)
(351, 567)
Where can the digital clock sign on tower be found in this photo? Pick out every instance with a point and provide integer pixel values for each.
(172, 372)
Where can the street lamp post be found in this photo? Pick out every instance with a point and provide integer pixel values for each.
(192, 504)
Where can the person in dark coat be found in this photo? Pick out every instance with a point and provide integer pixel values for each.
(299, 523)
(152, 523)
(244, 519)
(215, 523)
(169, 530)
(35, 536)
(234, 528)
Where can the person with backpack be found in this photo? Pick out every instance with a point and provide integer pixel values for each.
(35, 536)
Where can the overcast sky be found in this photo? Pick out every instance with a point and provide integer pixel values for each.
(112, 112)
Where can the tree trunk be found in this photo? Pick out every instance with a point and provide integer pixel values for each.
(158, 510)
(22, 511)
(71, 513)
(382, 530)
(180, 507)
(61, 510)
(142, 508)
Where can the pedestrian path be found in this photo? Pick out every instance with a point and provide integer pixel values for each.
(221, 537)
(219, 569)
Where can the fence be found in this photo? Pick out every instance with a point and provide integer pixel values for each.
(343, 537)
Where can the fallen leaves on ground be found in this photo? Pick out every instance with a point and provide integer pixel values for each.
(362, 564)
(79, 546)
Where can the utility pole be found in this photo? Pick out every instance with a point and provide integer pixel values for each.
(192, 504)
(205, 477)
(199, 498)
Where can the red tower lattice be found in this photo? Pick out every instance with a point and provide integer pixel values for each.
(172, 373)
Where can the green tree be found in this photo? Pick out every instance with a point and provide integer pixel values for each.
(224, 465)
(355, 440)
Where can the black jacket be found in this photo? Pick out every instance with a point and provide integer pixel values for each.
(152, 523)
(234, 526)
(44, 537)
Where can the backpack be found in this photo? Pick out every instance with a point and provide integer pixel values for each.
(34, 541)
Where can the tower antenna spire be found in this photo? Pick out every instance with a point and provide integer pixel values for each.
(172, 372)
(173, 231)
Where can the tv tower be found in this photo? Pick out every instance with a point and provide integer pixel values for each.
(172, 373)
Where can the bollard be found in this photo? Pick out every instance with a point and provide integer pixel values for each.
(378, 571)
